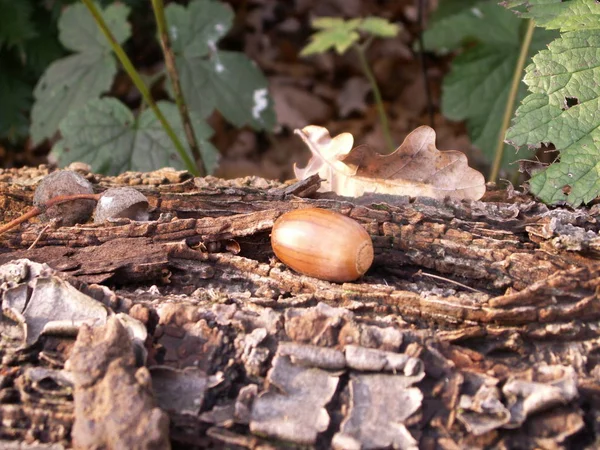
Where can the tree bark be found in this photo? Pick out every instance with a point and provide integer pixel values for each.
(496, 293)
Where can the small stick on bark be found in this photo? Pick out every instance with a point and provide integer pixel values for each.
(37, 210)
(39, 236)
(420, 273)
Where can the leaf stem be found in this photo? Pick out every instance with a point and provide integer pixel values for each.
(362, 57)
(141, 86)
(512, 96)
(161, 23)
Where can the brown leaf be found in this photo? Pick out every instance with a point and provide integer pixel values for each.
(352, 97)
(417, 168)
(296, 106)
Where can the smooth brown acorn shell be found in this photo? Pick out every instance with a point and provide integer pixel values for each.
(322, 244)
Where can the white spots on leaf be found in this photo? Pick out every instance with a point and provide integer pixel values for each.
(212, 38)
(477, 13)
(174, 32)
(260, 102)
(219, 67)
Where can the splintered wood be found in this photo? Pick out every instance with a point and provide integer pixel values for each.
(480, 318)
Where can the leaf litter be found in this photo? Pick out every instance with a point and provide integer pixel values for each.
(46, 304)
(417, 168)
(321, 324)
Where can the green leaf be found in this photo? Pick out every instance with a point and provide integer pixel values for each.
(80, 33)
(216, 82)
(564, 109)
(336, 34)
(70, 82)
(106, 135)
(573, 15)
(16, 25)
(448, 9)
(195, 30)
(227, 81)
(379, 27)
(336, 39)
(481, 21)
(477, 87)
(324, 23)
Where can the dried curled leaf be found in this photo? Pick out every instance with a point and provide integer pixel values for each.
(417, 168)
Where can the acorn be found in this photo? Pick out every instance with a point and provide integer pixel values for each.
(322, 244)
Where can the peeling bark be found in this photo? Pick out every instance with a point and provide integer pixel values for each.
(481, 294)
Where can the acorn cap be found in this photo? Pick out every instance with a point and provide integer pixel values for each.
(65, 182)
(121, 202)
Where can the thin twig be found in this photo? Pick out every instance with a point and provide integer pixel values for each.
(37, 210)
(39, 236)
(364, 64)
(420, 273)
(140, 85)
(159, 14)
(512, 96)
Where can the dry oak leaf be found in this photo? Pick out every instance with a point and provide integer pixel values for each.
(417, 168)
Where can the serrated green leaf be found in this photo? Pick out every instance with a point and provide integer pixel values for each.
(16, 25)
(336, 39)
(476, 90)
(154, 141)
(106, 135)
(450, 8)
(564, 109)
(483, 22)
(336, 34)
(79, 32)
(195, 30)
(339, 34)
(71, 81)
(67, 84)
(323, 23)
(379, 27)
(227, 81)
(572, 15)
(477, 87)
(218, 83)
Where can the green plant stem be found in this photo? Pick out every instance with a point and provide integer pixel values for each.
(362, 57)
(512, 96)
(161, 22)
(139, 83)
